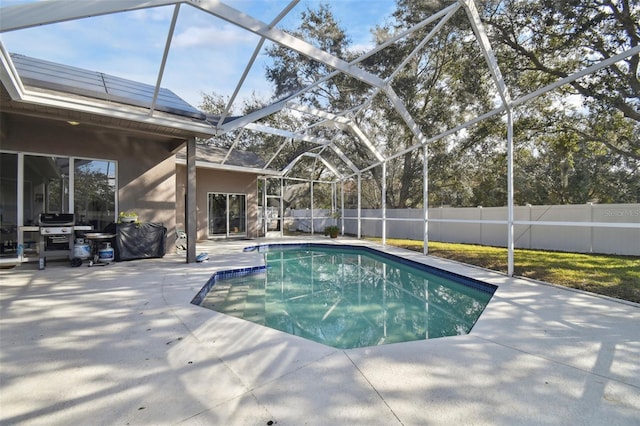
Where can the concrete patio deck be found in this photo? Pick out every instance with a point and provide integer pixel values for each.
(121, 344)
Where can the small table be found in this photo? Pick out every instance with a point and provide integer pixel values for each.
(95, 238)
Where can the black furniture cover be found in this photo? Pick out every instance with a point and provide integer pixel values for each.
(138, 240)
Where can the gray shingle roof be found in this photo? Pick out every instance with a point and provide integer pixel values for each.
(215, 155)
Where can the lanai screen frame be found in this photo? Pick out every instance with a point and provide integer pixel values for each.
(19, 17)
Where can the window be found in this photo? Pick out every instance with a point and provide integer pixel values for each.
(46, 186)
(94, 192)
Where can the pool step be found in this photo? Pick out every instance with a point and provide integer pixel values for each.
(240, 301)
(216, 297)
(254, 306)
(235, 301)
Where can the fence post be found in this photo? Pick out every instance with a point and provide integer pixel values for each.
(530, 227)
(480, 209)
(591, 227)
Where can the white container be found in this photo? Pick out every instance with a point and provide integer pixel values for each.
(83, 251)
(105, 254)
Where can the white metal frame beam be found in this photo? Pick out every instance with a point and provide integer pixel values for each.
(233, 145)
(275, 155)
(297, 136)
(286, 133)
(252, 60)
(9, 75)
(250, 118)
(355, 130)
(393, 97)
(328, 116)
(344, 158)
(341, 122)
(446, 11)
(165, 55)
(494, 69)
(487, 50)
(315, 156)
(54, 11)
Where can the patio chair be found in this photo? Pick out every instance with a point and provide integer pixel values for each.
(181, 240)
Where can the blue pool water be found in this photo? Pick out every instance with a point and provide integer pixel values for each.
(348, 297)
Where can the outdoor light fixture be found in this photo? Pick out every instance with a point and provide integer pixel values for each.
(74, 123)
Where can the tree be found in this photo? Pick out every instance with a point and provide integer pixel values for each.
(292, 71)
(544, 40)
(578, 143)
(441, 87)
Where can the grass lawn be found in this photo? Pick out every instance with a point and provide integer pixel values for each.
(614, 276)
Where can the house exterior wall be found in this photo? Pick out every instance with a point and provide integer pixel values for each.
(146, 166)
(220, 181)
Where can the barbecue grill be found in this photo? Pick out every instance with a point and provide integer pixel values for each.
(56, 232)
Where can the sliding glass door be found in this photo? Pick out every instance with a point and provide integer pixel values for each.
(227, 214)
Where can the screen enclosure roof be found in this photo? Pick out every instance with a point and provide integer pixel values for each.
(321, 133)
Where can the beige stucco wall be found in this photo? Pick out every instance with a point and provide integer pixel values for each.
(146, 165)
(211, 180)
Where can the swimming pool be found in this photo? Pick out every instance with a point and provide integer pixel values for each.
(347, 296)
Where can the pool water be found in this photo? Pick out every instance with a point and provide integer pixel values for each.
(350, 297)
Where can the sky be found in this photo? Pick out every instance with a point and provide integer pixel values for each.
(207, 55)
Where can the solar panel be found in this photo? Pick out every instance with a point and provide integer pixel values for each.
(64, 78)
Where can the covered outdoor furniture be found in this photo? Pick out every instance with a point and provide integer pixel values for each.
(138, 240)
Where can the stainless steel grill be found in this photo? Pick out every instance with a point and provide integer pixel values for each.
(56, 219)
(56, 234)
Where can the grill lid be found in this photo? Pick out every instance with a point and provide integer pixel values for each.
(56, 219)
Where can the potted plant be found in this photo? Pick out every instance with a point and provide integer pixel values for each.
(128, 217)
(332, 231)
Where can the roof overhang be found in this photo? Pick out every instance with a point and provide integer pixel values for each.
(64, 106)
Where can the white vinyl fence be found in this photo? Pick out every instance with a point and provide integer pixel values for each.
(584, 228)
